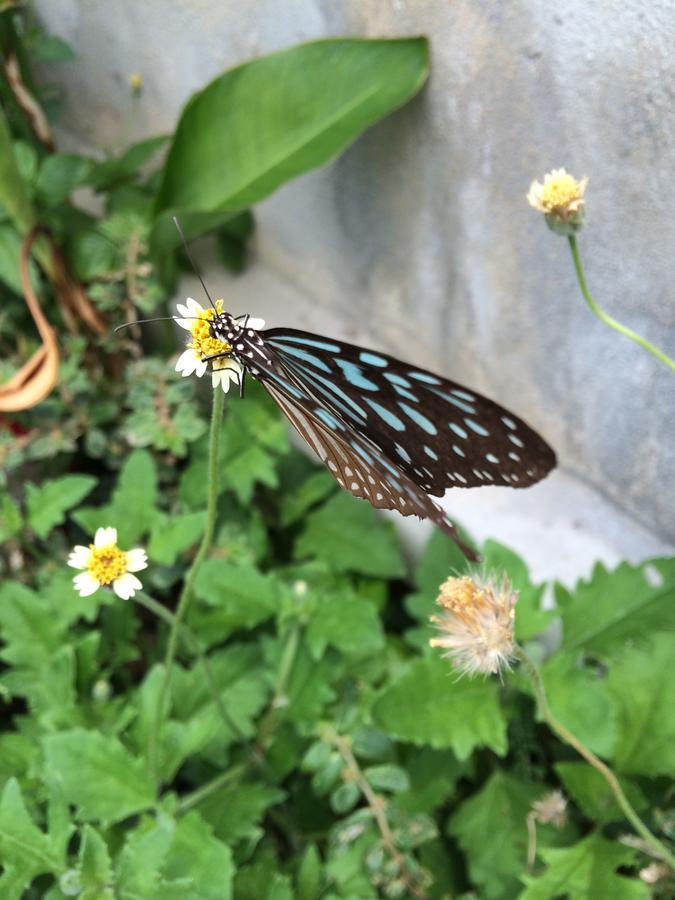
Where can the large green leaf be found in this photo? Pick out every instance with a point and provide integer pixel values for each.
(47, 503)
(586, 871)
(499, 810)
(626, 602)
(274, 118)
(429, 705)
(348, 535)
(642, 684)
(98, 774)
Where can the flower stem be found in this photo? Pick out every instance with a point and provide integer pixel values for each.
(603, 316)
(201, 793)
(186, 593)
(565, 735)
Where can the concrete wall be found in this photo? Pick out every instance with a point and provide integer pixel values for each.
(418, 240)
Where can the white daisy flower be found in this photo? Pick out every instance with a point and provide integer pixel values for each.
(195, 319)
(103, 563)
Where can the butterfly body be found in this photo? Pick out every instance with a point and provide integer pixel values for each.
(388, 432)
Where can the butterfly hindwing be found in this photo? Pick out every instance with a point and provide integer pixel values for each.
(437, 432)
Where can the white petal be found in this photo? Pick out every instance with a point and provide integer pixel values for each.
(182, 310)
(126, 586)
(193, 307)
(254, 323)
(136, 560)
(221, 377)
(86, 584)
(79, 557)
(201, 367)
(187, 362)
(184, 323)
(105, 536)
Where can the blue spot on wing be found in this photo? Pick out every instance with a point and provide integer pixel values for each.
(425, 377)
(408, 394)
(386, 414)
(424, 423)
(328, 419)
(282, 340)
(355, 376)
(308, 357)
(397, 379)
(459, 431)
(474, 426)
(465, 407)
(371, 359)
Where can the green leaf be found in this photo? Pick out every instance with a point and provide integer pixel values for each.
(104, 175)
(48, 503)
(93, 254)
(584, 871)
(238, 596)
(350, 624)
(427, 704)
(345, 797)
(23, 847)
(642, 685)
(10, 254)
(491, 829)
(347, 534)
(98, 774)
(592, 794)
(235, 812)
(10, 518)
(132, 508)
(142, 858)
(387, 778)
(197, 855)
(276, 117)
(297, 502)
(308, 881)
(50, 48)
(433, 775)
(171, 535)
(630, 601)
(28, 627)
(59, 175)
(94, 866)
(579, 697)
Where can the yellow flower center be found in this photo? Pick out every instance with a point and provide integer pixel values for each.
(107, 563)
(559, 191)
(202, 342)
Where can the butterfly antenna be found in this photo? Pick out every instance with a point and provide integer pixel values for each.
(146, 321)
(192, 262)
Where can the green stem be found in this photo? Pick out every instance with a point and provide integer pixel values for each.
(288, 655)
(565, 735)
(186, 593)
(192, 799)
(602, 315)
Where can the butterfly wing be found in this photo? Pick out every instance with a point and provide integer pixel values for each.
(352, 459)
(439, 433)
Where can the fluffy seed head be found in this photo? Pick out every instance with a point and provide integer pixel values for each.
(476, 624)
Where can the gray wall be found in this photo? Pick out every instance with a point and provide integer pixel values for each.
(422, 225)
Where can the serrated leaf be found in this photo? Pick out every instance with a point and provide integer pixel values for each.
(30, 631)
(23, 847)
(584, 871)
(172, 535)
(235, 596)
(491, 829)
(235, 812)
(427, 704)
(627, 602)
(592, 794)
(642, 685)
(350, 624)
(278, 116)
(296, 503)
(132, 507)
(142, 857)
(98, 774)
(10, 518)
(197, 855)
(48, 503)
(580, 699)
(347, 534)
(433, 775)
(94, 866)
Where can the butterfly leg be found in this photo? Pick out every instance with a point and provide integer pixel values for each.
(228, 355)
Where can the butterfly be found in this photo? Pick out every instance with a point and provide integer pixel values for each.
(388, 432)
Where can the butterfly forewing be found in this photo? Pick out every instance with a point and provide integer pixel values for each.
(352, 459)
(437, 432)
